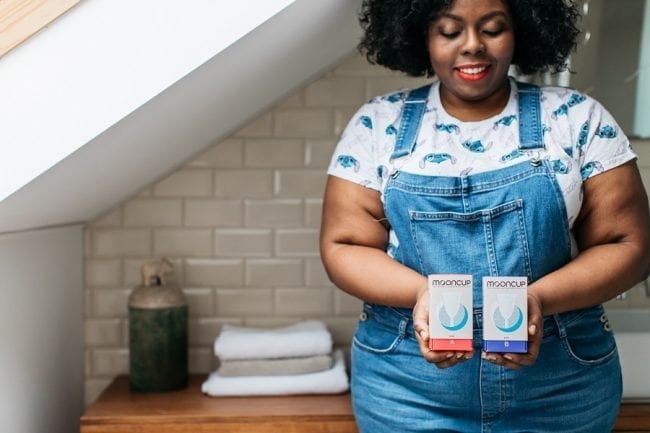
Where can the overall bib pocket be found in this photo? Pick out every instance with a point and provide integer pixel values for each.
(499, 243)
(380, 329)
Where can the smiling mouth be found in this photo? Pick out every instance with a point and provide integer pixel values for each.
(472, 73)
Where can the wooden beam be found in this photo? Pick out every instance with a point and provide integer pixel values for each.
(20, 19)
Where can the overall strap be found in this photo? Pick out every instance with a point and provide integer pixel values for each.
(412, 113)
(531, 136)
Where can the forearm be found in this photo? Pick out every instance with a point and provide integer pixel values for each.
(370, 274)
(596, 275)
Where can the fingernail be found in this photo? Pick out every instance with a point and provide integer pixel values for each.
(484, 355)
(508, 357)
(532, 329)
(459, 355)
(449, 355)
(468, 356)
(422, 333)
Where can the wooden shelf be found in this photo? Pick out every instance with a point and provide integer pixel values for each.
(118, 410)
(633, 418)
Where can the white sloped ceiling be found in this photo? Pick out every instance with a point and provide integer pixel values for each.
(209, 102)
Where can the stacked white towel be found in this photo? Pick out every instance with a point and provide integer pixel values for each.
(307, 338)
(296, 359)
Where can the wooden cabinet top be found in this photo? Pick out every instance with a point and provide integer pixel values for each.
(633, 418)
(118, 410)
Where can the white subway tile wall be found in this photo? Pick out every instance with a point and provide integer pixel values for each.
(240, 223)
(228, 153)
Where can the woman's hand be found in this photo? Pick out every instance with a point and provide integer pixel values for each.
(442, 359)
(535, 334)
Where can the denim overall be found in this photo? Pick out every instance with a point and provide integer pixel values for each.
(505, 222)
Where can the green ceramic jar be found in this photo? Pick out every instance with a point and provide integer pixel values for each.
(157, 339)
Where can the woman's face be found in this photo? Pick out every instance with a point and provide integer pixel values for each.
(471, 46)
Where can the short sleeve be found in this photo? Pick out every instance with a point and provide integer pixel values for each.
(353, 158)
(600, 142)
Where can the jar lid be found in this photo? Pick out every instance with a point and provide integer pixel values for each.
(156, 297)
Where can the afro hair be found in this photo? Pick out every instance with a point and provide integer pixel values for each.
(396, 33)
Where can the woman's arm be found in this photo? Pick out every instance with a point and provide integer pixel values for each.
(612, 232)
(353, 239)
(613, 235)
(354, 233)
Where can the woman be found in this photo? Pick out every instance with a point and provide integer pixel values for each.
(478, 174)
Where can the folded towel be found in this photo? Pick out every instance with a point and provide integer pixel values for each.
(306, 338)
(332, 381)
(275, 367)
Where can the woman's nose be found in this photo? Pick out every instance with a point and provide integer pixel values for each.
(473, 44)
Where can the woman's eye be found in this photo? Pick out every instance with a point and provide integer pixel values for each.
(495, 32)
(449, 35)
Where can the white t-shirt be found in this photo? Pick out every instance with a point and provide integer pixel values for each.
(581, 140)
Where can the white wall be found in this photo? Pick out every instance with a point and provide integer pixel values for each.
(642, 109)
(41, 326)
(607, 65)
(98, 63)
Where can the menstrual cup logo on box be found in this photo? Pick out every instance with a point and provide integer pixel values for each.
(506, 315)
(452, 314)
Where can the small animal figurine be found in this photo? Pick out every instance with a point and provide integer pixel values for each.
(154, 272)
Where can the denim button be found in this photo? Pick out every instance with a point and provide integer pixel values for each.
(535, 162)
(363, 316)
(603, 318)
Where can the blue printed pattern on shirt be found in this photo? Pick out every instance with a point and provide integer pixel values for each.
(581, 140)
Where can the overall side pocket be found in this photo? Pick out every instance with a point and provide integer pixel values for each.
(380, 329)
(588, 339)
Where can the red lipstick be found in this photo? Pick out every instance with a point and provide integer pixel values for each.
(472, 72)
